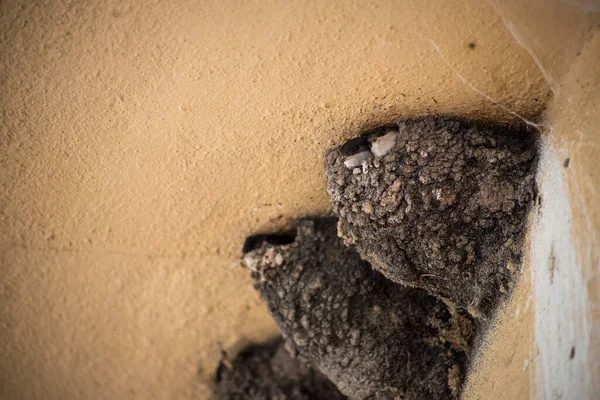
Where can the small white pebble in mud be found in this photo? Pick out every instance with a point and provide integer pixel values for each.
(381, 145)
(355, 152)
(278, 259)
(444, 196)
(368, 207)
(250, 262)
(356, 160)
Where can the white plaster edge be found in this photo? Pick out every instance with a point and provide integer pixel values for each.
(561, 299)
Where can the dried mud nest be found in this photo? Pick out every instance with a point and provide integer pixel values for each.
(385, 299)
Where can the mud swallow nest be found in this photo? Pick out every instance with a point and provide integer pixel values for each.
(385, 299)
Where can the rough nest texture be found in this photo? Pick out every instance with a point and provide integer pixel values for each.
(373, 338)
(268, 372)
(444, 210)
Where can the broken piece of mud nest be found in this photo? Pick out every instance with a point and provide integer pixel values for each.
(438, 204)
(267, 372)
(373, 338)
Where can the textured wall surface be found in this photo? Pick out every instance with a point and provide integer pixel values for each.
(141, 142)
(558, 295)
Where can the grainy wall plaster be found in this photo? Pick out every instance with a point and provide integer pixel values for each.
(141, 142)
(557, 296)
(566, 253)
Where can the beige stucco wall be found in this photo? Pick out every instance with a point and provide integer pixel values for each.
(142, 141)
(554, 311)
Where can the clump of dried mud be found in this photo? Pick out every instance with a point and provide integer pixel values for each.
(373, 338)
(385, 301)
(267, 372)
(444, 209)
